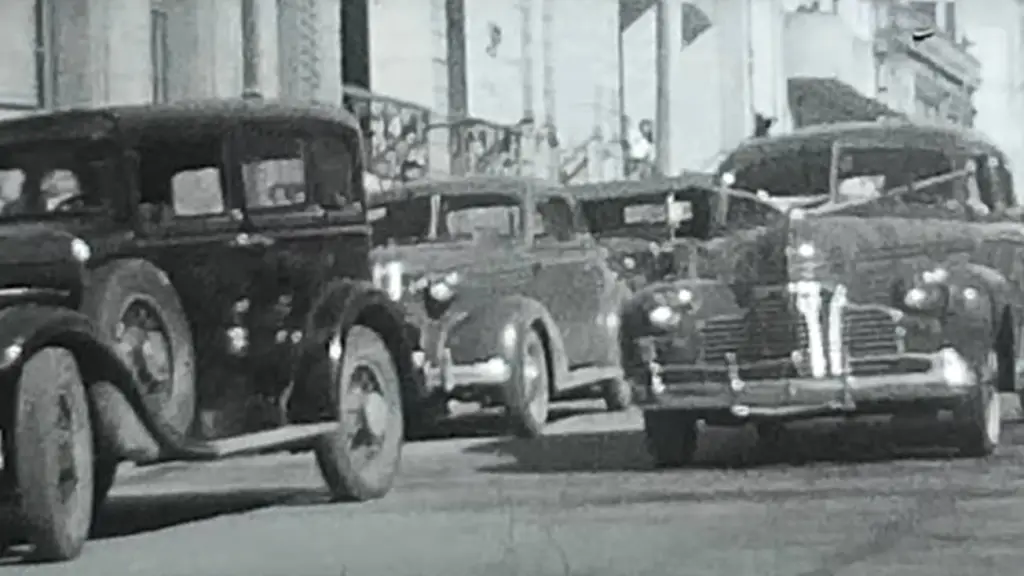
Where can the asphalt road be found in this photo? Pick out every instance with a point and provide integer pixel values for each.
(581, 501)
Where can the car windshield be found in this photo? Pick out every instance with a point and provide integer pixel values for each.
(654, 217)
(863, 173)
(471, 218)
(43, 179)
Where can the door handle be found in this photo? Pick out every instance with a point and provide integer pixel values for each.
(248, 240)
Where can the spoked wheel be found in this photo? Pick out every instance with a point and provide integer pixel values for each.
(53, 455)
(979, 424)
(360, 461)
(142, 341)
(529, 392)
(139, 313)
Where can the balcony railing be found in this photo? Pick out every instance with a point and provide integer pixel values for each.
(397, 134)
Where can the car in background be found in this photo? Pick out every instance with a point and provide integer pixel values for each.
(508, 296)
(652, 228)
(897, 291)
(186, 282)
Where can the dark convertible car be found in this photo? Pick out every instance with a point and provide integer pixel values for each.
(896, 288)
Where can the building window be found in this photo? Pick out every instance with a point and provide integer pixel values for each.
(159, 53)
(26, 38)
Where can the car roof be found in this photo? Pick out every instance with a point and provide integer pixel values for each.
(624, 188)
(462, 186)
(889, 132)
(131, 121)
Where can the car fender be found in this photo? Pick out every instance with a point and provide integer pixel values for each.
(481, 331)
(120, 419)
(713, 297)
(973, 327)
(338, 307)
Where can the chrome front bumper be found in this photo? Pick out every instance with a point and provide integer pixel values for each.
(447, 376)
(948, 380)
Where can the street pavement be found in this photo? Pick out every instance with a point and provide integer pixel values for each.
(583, 501)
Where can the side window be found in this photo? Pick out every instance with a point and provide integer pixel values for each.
(745, 213)
(273, 170)
(334, 183)
(554, 220)
(184, 175)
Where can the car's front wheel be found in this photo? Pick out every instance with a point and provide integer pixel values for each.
(53, 455)
(978, 421)
(671, 437)
(360, 461)
(529, 391)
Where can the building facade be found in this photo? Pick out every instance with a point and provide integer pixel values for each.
(799, 63)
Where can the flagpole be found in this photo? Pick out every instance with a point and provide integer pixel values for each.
(663, 68)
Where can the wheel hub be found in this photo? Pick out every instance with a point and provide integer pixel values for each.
(375, 414)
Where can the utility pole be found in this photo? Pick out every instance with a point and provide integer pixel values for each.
(663, 81)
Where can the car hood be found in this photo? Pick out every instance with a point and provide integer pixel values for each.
(828, 248)
(428, 258)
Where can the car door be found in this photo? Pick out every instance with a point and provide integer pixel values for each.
(567, 277)
(304, 227)
(189, 227)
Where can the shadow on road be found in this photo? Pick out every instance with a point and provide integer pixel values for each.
(492, 422)
(619, 451)
(130, 515)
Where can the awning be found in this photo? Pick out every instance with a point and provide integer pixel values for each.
(827, 100)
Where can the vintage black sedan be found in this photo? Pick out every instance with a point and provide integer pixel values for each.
(186, 282)
(650, 227)
(896, 290)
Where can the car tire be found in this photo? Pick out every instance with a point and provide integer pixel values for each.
(617, 393)
(52, 436)
(529, 390)
(671, 437)
(160, 350)
(371, 416)
(978, 421)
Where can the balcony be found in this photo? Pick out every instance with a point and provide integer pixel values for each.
(947, 55)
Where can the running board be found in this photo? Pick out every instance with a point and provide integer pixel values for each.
(283, 438)
(591, 375)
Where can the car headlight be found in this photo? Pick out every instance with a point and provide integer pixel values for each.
(443, 290)
(388, 277)
(663, 316)
(930, 294)
(629, 263)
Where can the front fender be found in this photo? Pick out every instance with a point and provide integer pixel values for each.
(340, 306)
(481, 331)
(713, 297)
(121, 420)
(972, 325)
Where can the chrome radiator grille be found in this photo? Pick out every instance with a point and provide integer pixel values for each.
(772, 330)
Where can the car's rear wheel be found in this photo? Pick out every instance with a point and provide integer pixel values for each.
(53, 455)
(529, 390)
(361, 460)
(671, 437)
(137, 310)
(978, 422)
